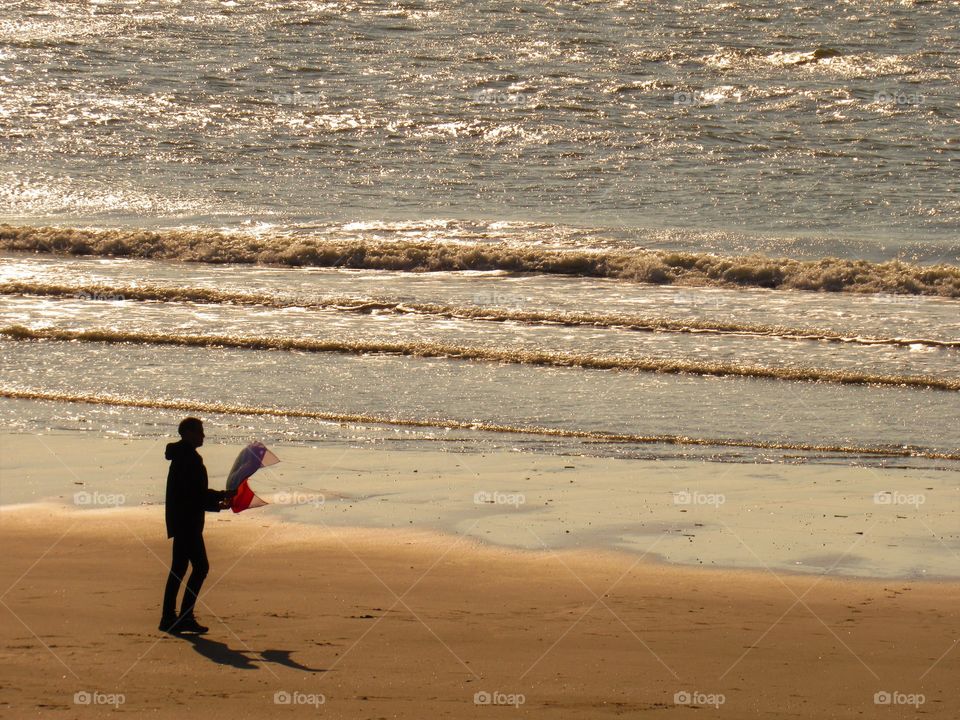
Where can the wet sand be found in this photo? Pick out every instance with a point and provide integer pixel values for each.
(809, 518)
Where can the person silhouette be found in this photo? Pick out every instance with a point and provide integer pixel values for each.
(188, 498)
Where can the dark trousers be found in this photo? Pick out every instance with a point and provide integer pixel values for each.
(187, 549)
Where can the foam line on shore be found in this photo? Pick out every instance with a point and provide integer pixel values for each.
(156, 293)
(500, 355)
(440, 423)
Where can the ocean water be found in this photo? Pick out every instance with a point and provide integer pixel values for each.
(822, 129)
(723, 231)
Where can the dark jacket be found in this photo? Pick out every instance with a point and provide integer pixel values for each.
(188, 494)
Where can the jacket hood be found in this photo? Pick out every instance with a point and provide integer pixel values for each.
(178, 450)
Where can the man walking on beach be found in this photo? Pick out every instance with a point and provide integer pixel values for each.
(188, 498)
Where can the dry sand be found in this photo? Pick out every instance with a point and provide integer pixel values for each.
(381, 623)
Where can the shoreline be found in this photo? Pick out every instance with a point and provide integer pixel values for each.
(806, 520)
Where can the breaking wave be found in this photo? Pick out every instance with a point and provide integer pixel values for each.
(649, 266)
(362, 418)
(491, 314)
(460, 352)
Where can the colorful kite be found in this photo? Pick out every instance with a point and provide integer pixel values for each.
(253, 457)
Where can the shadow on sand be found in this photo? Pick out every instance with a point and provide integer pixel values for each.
(223, 654)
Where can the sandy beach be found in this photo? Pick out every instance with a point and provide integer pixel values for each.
(610, 353)
(412, 622)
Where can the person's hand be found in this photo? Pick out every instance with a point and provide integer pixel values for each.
(224, 503)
